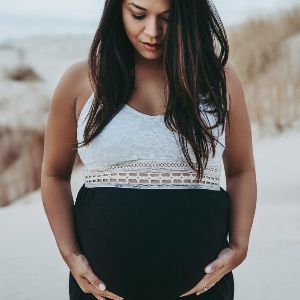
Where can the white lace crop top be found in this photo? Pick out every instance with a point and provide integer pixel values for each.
(137, 150)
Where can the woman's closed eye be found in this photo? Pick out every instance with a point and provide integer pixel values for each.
(138, 17)
(142, 17)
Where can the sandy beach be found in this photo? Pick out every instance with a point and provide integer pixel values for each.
(31, 266)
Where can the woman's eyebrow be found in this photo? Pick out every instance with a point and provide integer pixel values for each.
(142, 8)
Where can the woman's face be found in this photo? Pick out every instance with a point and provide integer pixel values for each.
(146, 21)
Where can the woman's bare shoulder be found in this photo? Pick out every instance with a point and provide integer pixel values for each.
(74, 87)
(60, 135)
(75, 78)
(233, 82)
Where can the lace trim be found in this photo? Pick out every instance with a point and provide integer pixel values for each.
(152, 174)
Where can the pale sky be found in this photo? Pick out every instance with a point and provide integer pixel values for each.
(19, 18)
(71, 9)
(87, 9)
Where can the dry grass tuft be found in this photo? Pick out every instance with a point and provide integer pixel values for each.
(20, 164)
(22, 73)
(256, 44)
(269, 68)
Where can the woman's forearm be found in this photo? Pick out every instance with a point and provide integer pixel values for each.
(58, 204)
(243, 193)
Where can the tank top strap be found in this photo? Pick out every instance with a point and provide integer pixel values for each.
(85, 110)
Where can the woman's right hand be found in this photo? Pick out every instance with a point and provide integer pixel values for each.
(88, 281)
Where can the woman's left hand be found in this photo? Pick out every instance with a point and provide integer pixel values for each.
(228, 259)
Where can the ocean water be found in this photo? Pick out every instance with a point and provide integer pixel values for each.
(19, 18)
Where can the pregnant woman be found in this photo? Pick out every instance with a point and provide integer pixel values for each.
(154, 112)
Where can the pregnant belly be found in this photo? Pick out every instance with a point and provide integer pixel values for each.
(145, 243)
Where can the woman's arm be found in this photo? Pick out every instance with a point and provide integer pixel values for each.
(58, 162)
(239, 164)
(59, 157)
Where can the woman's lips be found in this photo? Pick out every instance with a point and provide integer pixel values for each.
(151, 47)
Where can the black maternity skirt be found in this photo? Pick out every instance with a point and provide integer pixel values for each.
(152, 243)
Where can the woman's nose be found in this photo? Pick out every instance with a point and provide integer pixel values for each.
(153, 27)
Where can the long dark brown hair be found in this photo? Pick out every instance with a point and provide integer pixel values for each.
(194, 56)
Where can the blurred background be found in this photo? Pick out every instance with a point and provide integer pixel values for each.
(39, 40)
